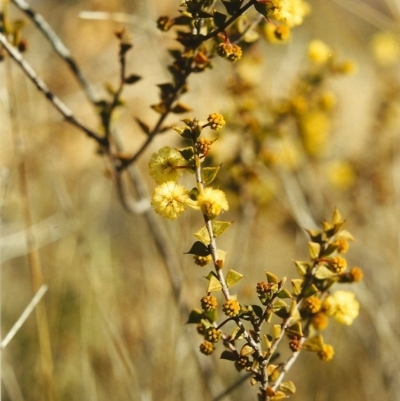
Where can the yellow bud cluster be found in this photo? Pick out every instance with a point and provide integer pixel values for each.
(229, 51)
(231, 308)
(209, 303)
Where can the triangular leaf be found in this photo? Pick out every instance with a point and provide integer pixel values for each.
(229, 356)
(262, 8)
(271, 278)
(302, 267)
(310, 290)
(181, 108)
(199, 249)
(246, 350)
(208, 174)
(288, 387)
(323, 273)
(213, 284)
(237, 334)
(277, 330)
(219, 18)
(257, 310)
(232, 7)
(160, 108)
(314, 344)
(232, 278)
(314, 249)
(279, 395)
(297, 285)
(284, 293)
(187, 153)
(145, 128)
(295, 330)
(131, 79)
(195, 316)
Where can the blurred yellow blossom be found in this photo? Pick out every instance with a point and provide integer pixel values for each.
(290, 12)
(319, 52)
(276, 33)
(341, 174)
(314, 128)
(385, 48)
(343, 306)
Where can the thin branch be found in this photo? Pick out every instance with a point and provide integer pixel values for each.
(57, 103)
(25, 314)
(58, 46)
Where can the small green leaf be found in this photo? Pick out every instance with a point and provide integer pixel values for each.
(313, 249)
(232, 7)
(262, 8)
(329, 250)
(229, 356)
(180, 108)
(314, 344)
(212, 315)
(131, 79)
(167, 89)
(323, 273)
(288, 387)
(310, 290)
(279, 395)
(195, 316)
(295, 330)
(199, 249)
(284, 293)
(233, 278)
(208, 174)
(219, 227)
(278, 305)
(219, 18)
(246, 350)
(297, 285)
(302, 267)
(159, 108)
(315, 235)
(145, 128)
(272, 278)
(213, 284)
(277, 330)
(237, 333)
(267, 341)
(187, 153)
(257, 310)
(337, 217)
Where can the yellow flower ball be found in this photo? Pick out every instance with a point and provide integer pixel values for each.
(170, 200)
(212, 202)
(166, 165)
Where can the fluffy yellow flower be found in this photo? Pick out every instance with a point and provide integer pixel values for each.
(170, 200)
(166, 165)
(290, 12)
(212, 202)
(319, 52)
(343, 306)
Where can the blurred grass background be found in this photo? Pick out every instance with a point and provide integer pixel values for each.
(116, 331)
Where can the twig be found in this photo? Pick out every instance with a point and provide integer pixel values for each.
(57, 44)
(57, 103)
(25, 314)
